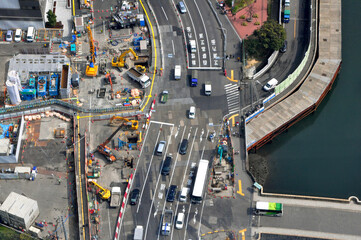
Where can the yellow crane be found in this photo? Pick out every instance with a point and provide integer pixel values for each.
(116, 120)
(92, 68)
(104, 193)
(119, 61)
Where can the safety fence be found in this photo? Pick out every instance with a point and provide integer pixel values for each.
(66, 105)
(293, 76)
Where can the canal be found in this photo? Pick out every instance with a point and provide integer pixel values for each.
(321, 155)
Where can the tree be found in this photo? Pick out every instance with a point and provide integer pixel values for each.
(51, 18)
(271, 35)
(250, 10)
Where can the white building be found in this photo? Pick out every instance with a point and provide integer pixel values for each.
(19, 211)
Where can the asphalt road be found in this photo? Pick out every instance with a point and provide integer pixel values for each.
(298, 37)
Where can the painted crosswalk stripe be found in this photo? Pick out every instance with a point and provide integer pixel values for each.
(232, 96)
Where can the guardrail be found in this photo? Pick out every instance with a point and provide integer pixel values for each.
(64, 104)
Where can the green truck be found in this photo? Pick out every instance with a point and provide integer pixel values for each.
(164, 96)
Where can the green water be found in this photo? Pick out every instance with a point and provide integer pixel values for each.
(321, 155)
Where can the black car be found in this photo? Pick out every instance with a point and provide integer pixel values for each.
(167, 165)
(134, 196)
(171, 193)
(183, 147)
(284, 47)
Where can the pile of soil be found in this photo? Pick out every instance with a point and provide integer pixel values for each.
(258, 166)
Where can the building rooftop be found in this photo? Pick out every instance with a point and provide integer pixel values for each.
(18, 205)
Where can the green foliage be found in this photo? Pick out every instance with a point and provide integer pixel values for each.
(257, 23)
(238, 4)
(242, 17)
(244, 24)
(9, 234)
(51, 18)
(255, 15)
(271, 35)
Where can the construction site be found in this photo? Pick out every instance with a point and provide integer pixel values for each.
(101, 66)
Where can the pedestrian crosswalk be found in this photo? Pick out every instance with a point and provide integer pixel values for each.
(232, 95)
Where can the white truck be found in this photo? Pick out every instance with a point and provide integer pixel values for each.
(167, 220)
(207, 89)
(137, 76)
(192, 45)
(115, 197)
(138, 233)
(177, 72)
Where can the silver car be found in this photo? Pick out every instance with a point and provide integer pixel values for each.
(9, 36)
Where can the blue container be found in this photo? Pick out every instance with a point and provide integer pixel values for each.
(28, 94)
(142, 22)
(42, 86)
(54, 85)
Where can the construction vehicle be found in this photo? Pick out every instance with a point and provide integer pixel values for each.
(109, 78)
(116, 196)
(103, 193)
(164, 96)
(119, 62)
(116, 120)
(107, 151)
(140, 68)
(92, 68)
(139, 77)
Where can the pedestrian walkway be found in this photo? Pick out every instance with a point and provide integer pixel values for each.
(232, 95)
(259, 9)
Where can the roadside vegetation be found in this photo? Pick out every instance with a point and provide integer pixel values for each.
(9, 234)
(239, 4)
(270, 37)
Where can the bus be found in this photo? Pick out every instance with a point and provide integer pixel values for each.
(269, 209)
(201, 177)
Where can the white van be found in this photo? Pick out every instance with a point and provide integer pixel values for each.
(160, 148)
(183, 195)
(271, 84)
(18, 34)
(177, 72)
(179, 221)
(192, 112)
(30, 34)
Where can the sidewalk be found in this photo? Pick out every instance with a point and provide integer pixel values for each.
(259, 8)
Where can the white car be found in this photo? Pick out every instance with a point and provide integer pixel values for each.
(179, 221)
(18, 34)
(192, 112)
(9, 36)
(271, 84)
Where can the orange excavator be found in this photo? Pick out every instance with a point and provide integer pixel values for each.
(107, 151)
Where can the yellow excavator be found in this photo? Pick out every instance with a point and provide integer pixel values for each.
(119, 62)
(104, 193)
(92, 68)
(140, 68)
(116, 120)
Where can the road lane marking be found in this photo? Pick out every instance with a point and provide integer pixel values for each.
(184, 175)
(162, 123)
(156, 186)
(242, 232)
(195, 34)
(200, 216)
(294, 26)
(164, 13)
(150, 165)
(205, 30)
(173, 48)
(233, 119)
(155, 56)
(232, 77)
(240, 188)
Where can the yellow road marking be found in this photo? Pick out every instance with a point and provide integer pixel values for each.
(73, 8)
(233, 119)
(294, 27)
(81, 195)
(240, 188)
(242, 232)
(155, 56)
(232, 77)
